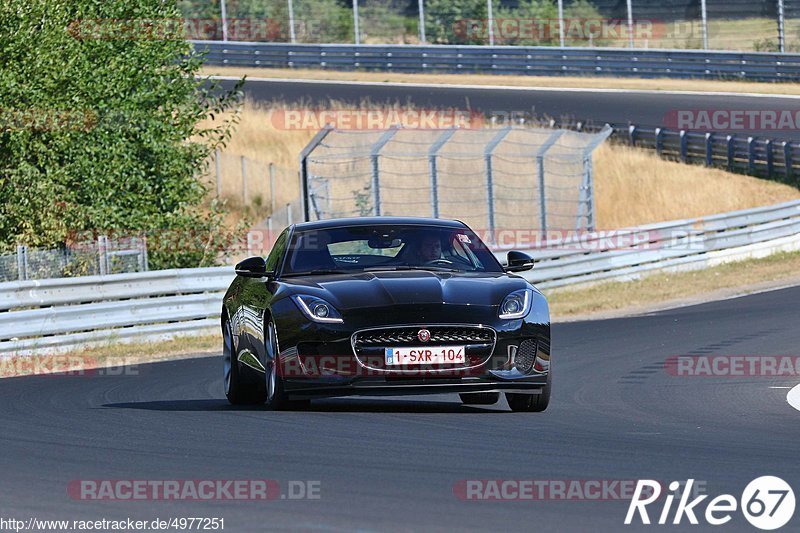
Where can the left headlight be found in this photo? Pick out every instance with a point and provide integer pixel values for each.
(517, 304)
(317, 309)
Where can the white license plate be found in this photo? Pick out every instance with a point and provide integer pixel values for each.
(425, 355)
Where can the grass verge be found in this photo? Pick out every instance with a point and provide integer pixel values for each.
(675, 289)
(570, 82)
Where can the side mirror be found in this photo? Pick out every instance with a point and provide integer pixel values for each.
(519, 262)
(253, 267)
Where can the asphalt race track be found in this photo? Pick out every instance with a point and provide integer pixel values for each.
(599, 107)
(391, 463)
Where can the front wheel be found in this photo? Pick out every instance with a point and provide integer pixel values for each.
(237, 392)
(277, 398)
(533, 403)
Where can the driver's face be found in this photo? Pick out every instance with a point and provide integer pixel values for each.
(430, 248)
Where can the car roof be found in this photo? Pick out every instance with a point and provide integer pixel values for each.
(373, 221)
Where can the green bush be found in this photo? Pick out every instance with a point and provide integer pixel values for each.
(99, 114)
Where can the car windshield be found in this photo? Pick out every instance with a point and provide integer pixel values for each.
(388, 247)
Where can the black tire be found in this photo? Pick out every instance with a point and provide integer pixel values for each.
(275, 396)
(237, 392)
(532, 403)
(480, 398)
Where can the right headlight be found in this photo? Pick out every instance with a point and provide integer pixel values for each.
(517, 304)
(317, 309)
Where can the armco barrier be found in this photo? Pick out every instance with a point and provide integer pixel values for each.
(538, 60)
(60, 314)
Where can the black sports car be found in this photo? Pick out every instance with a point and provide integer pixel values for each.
(385, 306)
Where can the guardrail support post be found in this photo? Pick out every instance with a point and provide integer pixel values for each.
(22, 262)
(709, 149)
(659, 140)
(632, 134)
(729, 142)
(770, 158)
(787, 160)
(683, 145)
(751, 154)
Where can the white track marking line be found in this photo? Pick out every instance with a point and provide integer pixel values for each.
(506, 87)
(794, 397)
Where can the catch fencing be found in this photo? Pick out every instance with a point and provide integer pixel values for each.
(97, 257)
(62, 314)
(492, 179)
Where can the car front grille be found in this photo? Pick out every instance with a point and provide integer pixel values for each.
(370, 345)
(408, 336)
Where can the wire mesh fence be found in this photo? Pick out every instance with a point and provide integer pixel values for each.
(97, 257)
(496, 180)
(741, 25)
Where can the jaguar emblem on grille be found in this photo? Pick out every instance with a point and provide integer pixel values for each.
(424, 335)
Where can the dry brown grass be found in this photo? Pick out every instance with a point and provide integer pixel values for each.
(633, 186)
(636, 187)
(658, 84)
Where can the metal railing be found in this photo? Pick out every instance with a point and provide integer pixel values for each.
(61, 314)
(534, 60)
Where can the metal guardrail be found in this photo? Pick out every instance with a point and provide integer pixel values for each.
(539, 60)
(61, 314)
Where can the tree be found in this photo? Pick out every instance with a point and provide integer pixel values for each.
(100, 112)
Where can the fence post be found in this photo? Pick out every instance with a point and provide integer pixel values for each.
(541, 178)
(22, 262)
(224, 14)
(375, 153)
(751, 154)
(356, 29)
(659, 140)
(704, 22)
(244, 181)
(433, 169)
(781, 27)
(770, 160)
(102, 254)
(272, 187)
(303, 174)
(630, 24)
(292, 35)
(632, 134)
(683, 145)
(787, 160)
(219, 177)
(487, 156)
(421, 21)
(709, 149)
(145, 258)
(729, 140)
(289, 219)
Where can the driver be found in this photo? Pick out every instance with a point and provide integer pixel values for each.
(430, 248)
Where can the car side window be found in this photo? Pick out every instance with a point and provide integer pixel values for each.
(275, 255)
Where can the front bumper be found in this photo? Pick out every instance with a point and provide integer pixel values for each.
(320, 360)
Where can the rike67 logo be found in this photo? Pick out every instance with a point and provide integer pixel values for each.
(767, 503)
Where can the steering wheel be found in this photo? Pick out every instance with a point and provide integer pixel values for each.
(440, 261)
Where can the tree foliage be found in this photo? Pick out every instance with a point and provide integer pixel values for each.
(99, 115)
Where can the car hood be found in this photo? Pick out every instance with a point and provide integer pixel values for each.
(380, 289)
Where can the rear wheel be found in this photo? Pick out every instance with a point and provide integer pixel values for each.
(480, 398)
(535, 403)
(237, 392)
